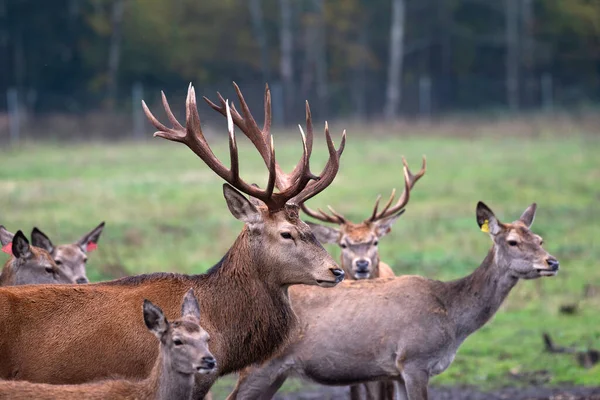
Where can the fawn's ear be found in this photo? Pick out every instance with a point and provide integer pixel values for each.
(6, 237)
(529, 215)
(39, 239)
(155, 319)
(384, 226)
(190, 306)
(20, 246)
(324, 234)
(239, 206)
(89, 241)
(486, 220)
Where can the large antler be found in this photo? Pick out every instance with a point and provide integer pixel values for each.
(193, 137)
(409, 182)
(300, 176)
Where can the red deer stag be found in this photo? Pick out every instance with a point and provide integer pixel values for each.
(71, 258)
(27, 265)
(414, 325)
(182, 353)
(360, 251)
(244, 298)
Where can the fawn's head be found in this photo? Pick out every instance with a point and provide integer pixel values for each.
(281, 245)
(359, 241)
(516, 247)
(30, 265)
(71, 258)
(184, 343)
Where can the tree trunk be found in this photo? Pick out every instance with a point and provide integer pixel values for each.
(394, 89)
(321, 58)
(512, 55)
(527, 61)
(286, 65)
(114, 52)
(260, 33)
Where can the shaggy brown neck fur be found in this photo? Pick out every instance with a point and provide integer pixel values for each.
(473, 300)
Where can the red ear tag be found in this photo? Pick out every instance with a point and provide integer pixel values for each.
(91, 246)
(7, 249)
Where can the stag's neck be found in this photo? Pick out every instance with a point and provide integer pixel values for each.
(168, 384)
(473, 300)
(259, 306)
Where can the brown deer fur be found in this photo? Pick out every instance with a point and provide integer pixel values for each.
(28, 265)
(403, 329)
(183, 352)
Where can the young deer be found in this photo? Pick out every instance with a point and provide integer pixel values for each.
(359, 241)
(27, 265)
(182, 353)
(244, 298)
(415, 325)
(71, 258)
(360, 251)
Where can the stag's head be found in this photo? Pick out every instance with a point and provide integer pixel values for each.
(71, 258)
(29, 265)
(516, 247)
(184, 343)
(359, 241)
(282, 246)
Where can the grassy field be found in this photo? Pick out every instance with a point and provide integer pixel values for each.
(165, 212)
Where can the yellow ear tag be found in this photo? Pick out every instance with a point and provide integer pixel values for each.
(485, 227)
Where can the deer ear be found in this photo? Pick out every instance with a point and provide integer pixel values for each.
(486, 220)
(20, 246)
(324, 234)
(190, 306)
(240, 206)
(6, 237)
(155, 319)
(39, 239)
(529, 215)
(384, 226)
(89, 241)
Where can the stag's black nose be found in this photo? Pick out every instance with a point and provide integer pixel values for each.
(362, 265)
(81, 280)
(209, 362)
(553, 263)
(338, 273)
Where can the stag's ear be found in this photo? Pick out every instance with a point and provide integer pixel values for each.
(486, 220)
(190, 306)
(6, 237)
(39, 239)
(324, 234)
(529, 215)
(89, 241)
(20, 246)
(384, 226)
(155, 319)
(239, 206)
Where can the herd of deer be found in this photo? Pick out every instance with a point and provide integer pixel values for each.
(264, 306)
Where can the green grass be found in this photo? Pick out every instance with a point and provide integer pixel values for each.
(165, 212)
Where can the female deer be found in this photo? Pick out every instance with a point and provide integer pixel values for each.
(182, 353)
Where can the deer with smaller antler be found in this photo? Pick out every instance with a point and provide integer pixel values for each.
(183, 352)
(72, 257)
(360, 251)
(404, 329)
(28, 265)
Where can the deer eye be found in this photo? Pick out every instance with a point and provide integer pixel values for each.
(49, 270)
(58, 262)
(177, 342)
(343, 245)
(375, 243)
(286, 235)
(512, 243)
(85, 261)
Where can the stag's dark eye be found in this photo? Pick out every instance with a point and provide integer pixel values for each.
(512, 243)
(375, 243)
(286, 235)
(58, 262)
(50, 270)
(343, 245)
(177, 342)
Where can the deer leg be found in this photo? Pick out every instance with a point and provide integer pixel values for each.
(260, 382)
(415, 383)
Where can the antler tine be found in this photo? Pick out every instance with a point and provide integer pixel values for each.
(323, 216)
(329, 172)
(409, 183)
